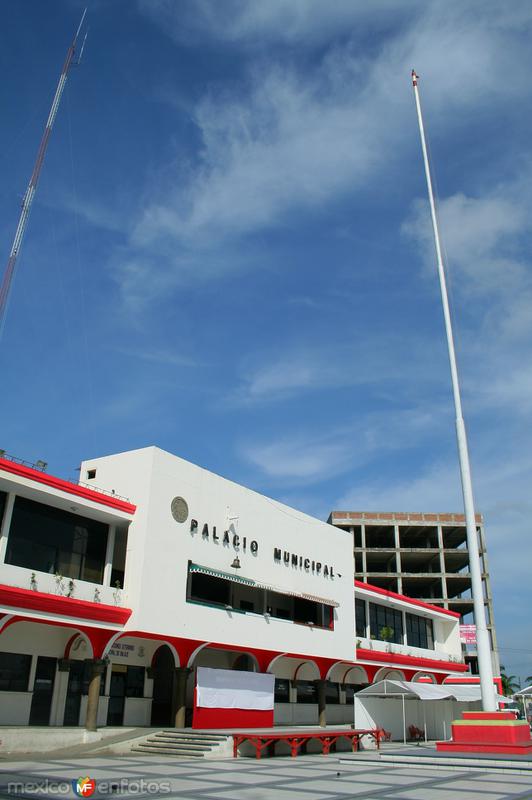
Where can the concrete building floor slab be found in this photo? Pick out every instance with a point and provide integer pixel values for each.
(306, 778)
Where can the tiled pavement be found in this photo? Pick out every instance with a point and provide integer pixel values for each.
(304, 778)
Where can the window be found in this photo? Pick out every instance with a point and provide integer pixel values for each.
(220, 591)
(3, 497)
(332, 693)
(14, 672)
(419, 632)
(383, 620)
(306, 692)
(91, 474)
(350, 691)
(209, 589)
(349, 694)
(119, 557)
(135, 682)
(360, 616)
(282, 690)
(52, 540)
(305, 611)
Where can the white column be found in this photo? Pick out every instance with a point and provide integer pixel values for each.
(109, 556)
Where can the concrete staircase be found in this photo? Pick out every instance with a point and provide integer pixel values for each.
(186, 744)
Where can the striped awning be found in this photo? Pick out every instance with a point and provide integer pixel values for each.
(216, 573)
(230, 576)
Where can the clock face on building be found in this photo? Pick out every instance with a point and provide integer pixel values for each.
(179, 509)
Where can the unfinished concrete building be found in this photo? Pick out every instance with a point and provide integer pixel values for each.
(424, 556)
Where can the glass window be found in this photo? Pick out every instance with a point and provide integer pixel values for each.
(119, 558)
(52, 540)
(210, 589)
(360, 615)
(3, 497)
(386, 624)
(305, 611)
(220, 591)
(14, 672)
(282, 690)
(332, 693)
(419, 632)
(306, 692)
(349, 694)
(135, 682)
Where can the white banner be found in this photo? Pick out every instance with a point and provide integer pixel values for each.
(227, 688)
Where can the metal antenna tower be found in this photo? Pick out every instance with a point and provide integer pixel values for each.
(29, 195)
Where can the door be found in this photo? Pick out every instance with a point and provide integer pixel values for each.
(163, 686)
(43, 691)
(117, 697)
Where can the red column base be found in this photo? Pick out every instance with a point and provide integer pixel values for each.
(488, 732)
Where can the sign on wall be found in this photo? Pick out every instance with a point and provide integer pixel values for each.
(468, 634)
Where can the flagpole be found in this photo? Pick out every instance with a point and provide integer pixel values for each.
(483, 642)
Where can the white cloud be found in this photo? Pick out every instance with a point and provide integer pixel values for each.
(291, 138)
(436, 490)
(317, 456)
(478, 235)
(240, 21)
(297, 459)
(319, 366)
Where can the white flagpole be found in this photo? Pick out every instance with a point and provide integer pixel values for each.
(483, 643)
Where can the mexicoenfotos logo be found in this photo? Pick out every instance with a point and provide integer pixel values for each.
(84, 787)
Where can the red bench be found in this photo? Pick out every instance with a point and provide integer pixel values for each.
(299, 740)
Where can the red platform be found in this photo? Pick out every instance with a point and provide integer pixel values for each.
(489, 732)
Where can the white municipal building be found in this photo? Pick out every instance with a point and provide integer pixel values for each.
(109, 605)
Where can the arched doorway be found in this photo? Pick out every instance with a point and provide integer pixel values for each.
(245, 663)
(163, 666)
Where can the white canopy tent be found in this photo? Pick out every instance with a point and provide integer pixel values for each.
(395, 705)
(524, 699)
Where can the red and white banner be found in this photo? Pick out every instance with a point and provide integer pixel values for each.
(226, 688)
(225, 698)
(468, 634)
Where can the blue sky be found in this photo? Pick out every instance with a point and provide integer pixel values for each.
(230, 254)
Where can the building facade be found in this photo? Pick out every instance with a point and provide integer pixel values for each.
(424, 556)
(109, 605)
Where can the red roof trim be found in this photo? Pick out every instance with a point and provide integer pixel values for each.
(420, 663)
(405, 599)
(17, 598)
(66, 486)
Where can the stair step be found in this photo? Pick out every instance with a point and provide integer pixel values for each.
(219, 736)
(163, 737)
(180, 743)
(166, 751)
(165, 743)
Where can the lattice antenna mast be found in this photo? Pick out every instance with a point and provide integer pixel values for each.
(483, 641)
(29, 195)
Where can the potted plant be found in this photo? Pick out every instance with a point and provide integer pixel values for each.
(386, 633)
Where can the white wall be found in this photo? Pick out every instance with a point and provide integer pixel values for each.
(15, 708)
(137, 711)
(159, 549)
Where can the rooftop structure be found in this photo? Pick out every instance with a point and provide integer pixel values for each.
(422, 555)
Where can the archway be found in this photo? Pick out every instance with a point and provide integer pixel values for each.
(163, 666)
(389, 674)
(245, 663)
